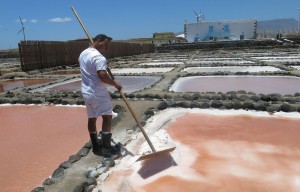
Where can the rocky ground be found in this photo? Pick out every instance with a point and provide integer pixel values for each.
(82, 171)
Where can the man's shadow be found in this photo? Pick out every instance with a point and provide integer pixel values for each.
(156, 165)
(124, 150)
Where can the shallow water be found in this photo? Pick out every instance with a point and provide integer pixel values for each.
(163, 63)
(129, 83)
(142, 70)
(35, 140)
(238, 153)
(230, 69)
(21, 83)
(282, 60)
(225, 62)
(217, 152)
(256, 84)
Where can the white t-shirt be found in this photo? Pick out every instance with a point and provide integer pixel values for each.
(91, 61)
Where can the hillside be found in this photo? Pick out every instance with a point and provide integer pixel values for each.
(277, 24)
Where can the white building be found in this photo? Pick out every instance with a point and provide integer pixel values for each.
(219, 30)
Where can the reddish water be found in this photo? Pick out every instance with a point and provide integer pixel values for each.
(241, 153)
(256, 84)
(20, 83)
(219, 153)
(35, 140)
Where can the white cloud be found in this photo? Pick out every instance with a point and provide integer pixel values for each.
(60, 20)
(33, 20)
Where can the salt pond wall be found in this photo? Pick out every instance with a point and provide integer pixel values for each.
(245, 44)
(9, 54)
(230, 100)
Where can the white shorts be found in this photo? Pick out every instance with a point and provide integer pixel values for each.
(98, 105)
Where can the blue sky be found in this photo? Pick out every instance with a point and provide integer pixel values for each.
(54, 20)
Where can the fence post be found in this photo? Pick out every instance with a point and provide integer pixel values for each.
(40, 55)
(21, 57)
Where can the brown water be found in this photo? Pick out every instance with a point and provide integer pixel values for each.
(35, 140)
(20, 83)
(256, 84)
(130, 84)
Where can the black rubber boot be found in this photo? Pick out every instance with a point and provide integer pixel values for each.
(96, 144)
(107, 149)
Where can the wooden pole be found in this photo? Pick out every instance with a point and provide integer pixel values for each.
(78, 18)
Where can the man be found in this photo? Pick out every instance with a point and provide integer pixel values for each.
(96, 97)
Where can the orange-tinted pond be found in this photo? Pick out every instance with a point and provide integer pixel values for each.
(256, 84)
(214, 151)
(20, 83)
(217, 153)
(35, 140)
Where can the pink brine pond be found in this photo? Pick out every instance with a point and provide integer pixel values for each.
(35, 140)
(257, 84)
(21, 83)
(216, 151)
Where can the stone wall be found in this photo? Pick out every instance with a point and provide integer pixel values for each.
(258, 44)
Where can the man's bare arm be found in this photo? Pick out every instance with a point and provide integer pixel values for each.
(106, 79)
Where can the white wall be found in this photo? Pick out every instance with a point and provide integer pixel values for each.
(236, 28)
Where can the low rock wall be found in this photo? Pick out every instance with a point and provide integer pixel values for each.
(256, 44)
(9, 54)
(230, 100)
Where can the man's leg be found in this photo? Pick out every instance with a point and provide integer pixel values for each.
(106, 135)
(106, 124)
(93, 135)
(92, 125)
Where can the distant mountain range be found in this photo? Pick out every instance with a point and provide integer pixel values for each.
(277, 24)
